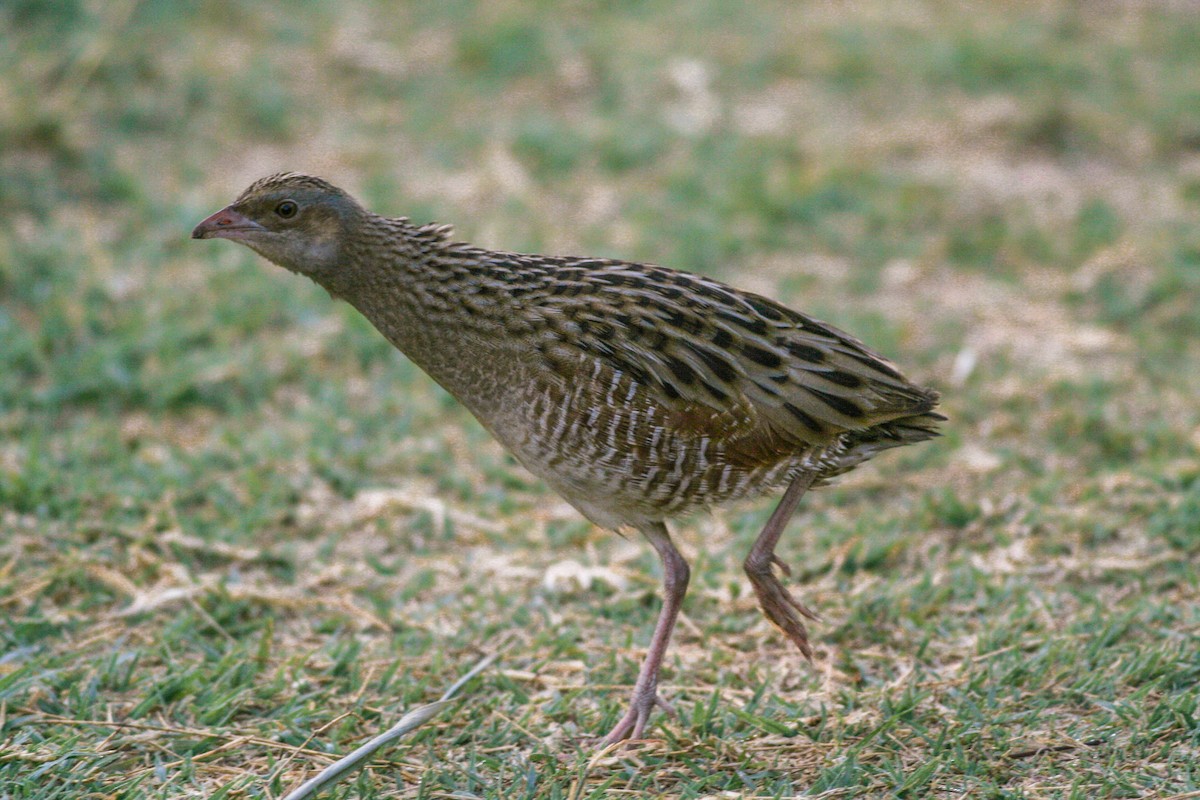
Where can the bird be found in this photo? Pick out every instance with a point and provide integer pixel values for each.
(637, 392)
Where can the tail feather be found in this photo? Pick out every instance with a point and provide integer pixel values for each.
(905, 430)
(865, 444)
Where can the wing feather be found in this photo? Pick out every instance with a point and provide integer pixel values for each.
(725, 364)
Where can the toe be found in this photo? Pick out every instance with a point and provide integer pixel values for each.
(633, 725)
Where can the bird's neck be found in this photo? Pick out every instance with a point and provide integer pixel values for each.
(436, 301)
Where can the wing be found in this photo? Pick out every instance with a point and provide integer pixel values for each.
(738, 368)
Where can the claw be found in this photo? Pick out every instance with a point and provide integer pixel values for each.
(633, 724)
(780, 608)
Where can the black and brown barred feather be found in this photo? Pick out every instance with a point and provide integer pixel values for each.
(636, 390)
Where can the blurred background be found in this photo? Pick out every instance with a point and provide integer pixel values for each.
(238, 531)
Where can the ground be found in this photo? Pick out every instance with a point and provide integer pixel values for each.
(239, 534)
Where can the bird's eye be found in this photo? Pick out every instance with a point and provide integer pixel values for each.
(287, 209)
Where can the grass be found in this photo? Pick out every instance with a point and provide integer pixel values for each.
(239, 535)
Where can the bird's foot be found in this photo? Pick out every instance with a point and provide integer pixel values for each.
(633, 724)
(779, 606)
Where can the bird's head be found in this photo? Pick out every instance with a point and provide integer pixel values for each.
(297, 221)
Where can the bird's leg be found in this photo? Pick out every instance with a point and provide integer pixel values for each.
(778, 605)
(645, 691)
